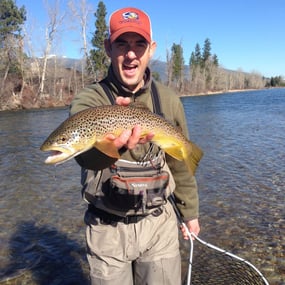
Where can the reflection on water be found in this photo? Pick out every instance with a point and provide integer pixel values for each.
(241, 180)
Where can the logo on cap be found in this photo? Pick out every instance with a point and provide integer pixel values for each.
(130, 15)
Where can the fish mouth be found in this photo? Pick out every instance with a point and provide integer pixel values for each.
(58, 157)
(57, 154)
(60, 154)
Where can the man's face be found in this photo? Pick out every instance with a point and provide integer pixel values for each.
(130, 54)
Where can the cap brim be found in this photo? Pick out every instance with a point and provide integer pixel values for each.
(119, 32)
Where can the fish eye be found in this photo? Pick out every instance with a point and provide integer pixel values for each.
(62, 139)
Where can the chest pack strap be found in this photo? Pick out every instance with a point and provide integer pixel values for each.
(154, 96)
(109, 94)
(156, 99)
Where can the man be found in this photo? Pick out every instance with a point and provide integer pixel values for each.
(132, 236)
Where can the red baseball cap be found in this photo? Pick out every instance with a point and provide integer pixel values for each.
(129, 20)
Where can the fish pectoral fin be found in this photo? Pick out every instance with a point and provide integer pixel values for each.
(107, 147)
(174, 151)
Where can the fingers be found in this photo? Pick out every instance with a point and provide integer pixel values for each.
(130, 138)
(193, 227)
(146, 138)
(134, 138)
(123, 101)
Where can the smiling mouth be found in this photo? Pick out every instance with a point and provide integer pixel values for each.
(130, 67)
(130, 70)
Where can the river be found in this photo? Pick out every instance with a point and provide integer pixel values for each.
(241, 182)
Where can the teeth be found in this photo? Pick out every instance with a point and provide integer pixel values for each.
(130, 66)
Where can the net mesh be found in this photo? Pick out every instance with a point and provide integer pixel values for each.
(211, 266)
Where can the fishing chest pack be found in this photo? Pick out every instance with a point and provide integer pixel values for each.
(130, 188)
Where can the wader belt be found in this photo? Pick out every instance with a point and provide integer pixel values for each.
(110, 219)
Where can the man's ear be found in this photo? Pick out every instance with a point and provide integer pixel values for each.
(152, 48)
(108, 48)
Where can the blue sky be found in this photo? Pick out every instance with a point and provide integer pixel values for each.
(245, 34)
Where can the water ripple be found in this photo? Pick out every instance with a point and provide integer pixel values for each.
(241, 182)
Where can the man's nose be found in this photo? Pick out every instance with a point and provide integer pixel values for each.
(130, 52)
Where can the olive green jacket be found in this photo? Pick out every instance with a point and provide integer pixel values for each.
(186, 191)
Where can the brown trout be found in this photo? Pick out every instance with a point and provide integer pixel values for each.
(88, 128)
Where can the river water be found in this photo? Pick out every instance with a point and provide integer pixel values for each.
(241, 182)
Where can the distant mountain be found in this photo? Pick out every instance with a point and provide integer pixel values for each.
(160, 67)
(155, 65)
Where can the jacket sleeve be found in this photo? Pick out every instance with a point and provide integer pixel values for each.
(94, 159)
(186, 191)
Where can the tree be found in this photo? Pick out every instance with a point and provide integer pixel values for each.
(81, 11)
(196, 57)
(11, 19)
(206, 62)
(275, 81)
(195, 66)
(215, 60)
(98, 61)
(11, 43)
(204, 71)
(178, 65)
(206, 51)
(156, 76)
(55, 20)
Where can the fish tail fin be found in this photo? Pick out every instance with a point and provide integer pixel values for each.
(192, 156)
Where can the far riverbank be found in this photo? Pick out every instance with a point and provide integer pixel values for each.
(225, 92)
(18, 102)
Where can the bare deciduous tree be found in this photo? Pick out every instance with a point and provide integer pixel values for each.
(81, 11)
(55, 20)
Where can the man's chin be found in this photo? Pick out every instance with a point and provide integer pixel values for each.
(131, 84)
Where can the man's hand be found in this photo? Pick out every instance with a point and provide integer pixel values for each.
(193, 227)
(129, 138)
(123, 101)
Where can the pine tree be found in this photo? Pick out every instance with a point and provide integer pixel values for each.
(197, 57)
(98, 61)
(206, 51)
(11, 19)
(11, 43)
(215, 60)
(177, 65)
(195, 67)
(203, 68)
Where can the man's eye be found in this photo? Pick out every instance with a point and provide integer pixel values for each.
(141, 45)
(120, 44)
